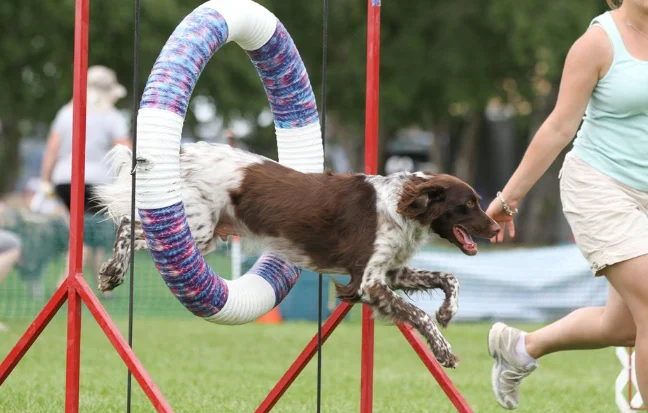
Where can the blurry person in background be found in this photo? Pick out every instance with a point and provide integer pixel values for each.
(9, 254)
(105, 128)
(604, 194)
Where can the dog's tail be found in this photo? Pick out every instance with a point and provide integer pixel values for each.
(115, 198)
(349, 293)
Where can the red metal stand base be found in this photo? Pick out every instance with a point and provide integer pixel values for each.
(75, 290)
(366, 383)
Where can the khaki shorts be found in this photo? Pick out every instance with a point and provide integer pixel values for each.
(609, 219)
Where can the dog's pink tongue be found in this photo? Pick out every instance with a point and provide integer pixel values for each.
(466, 238)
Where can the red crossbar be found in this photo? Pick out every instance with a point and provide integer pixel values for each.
(121, 345)
(435, 368)
(33, 331)
(302, 360)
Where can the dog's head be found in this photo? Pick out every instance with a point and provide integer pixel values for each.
(447, 206)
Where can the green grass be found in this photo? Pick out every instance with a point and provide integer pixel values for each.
(201, 367)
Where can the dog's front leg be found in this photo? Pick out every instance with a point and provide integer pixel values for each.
(112, 272)
(389, 305)
(411, 280)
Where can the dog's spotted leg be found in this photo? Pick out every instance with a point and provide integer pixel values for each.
(386, 303)
(411, 280)
(112, 272)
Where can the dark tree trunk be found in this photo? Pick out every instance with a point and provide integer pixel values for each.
(466, 160)
(438, 153)
(9, 154)
(353, 144)
(541, 220)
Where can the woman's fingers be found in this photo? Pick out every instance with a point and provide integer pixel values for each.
(503, 225)
(500, 235)
(511, 227)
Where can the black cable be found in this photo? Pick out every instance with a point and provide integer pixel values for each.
(319, 345)
(133, 171)
(320, 284)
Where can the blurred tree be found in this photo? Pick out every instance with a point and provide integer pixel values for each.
(441, 64)
(37, 66)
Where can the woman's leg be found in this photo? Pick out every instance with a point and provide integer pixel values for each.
(8, 258)
(7, 261)
(9, 252)
(516, 352)
(586, 328)
(630, 279)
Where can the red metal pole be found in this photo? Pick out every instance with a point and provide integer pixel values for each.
(302, 360)
(73, 351)
(372, 87)
(75, 266)
(366, 366)
(371, 167)
(437, 371)
(82, 10)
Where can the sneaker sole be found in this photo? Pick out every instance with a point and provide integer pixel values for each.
(493, 335)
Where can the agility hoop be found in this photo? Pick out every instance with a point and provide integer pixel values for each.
(160, 120)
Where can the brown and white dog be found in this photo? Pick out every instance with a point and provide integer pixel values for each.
(364, 226)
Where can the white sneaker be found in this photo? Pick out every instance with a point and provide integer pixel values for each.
(508, 372)
(3, 328)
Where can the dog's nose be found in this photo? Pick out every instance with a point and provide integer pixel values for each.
(495, 228)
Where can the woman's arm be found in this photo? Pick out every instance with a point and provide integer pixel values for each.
(120, 134)
(123, 141)
(587, 60)
(49, 157)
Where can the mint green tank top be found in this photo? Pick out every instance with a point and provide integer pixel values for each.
(613, 137)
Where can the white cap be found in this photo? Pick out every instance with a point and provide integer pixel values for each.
(103, 81)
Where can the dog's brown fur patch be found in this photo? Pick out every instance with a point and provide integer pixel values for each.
(318, 212)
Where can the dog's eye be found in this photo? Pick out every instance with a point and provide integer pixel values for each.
(470, 204)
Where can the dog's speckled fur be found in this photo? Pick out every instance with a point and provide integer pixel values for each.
(365, 226)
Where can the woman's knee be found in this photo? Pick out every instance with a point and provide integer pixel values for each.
(619, 333)
(625, 337)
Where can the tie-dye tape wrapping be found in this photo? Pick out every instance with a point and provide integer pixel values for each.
(169, 88)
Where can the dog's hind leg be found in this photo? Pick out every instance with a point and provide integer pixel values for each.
(112, 272)
(201, 222)
(411, 280)
(389, 305)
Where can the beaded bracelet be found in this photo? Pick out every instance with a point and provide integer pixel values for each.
(505, 205)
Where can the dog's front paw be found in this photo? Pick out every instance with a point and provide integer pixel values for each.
(444, 315)
(444, 355)
(448, 361)
(110, 276)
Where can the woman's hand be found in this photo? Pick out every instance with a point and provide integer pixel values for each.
(496, 211)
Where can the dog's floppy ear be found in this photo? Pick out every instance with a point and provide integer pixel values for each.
(421, 200)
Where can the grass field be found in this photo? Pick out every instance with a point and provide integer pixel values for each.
(202, 367)
(153, 296)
